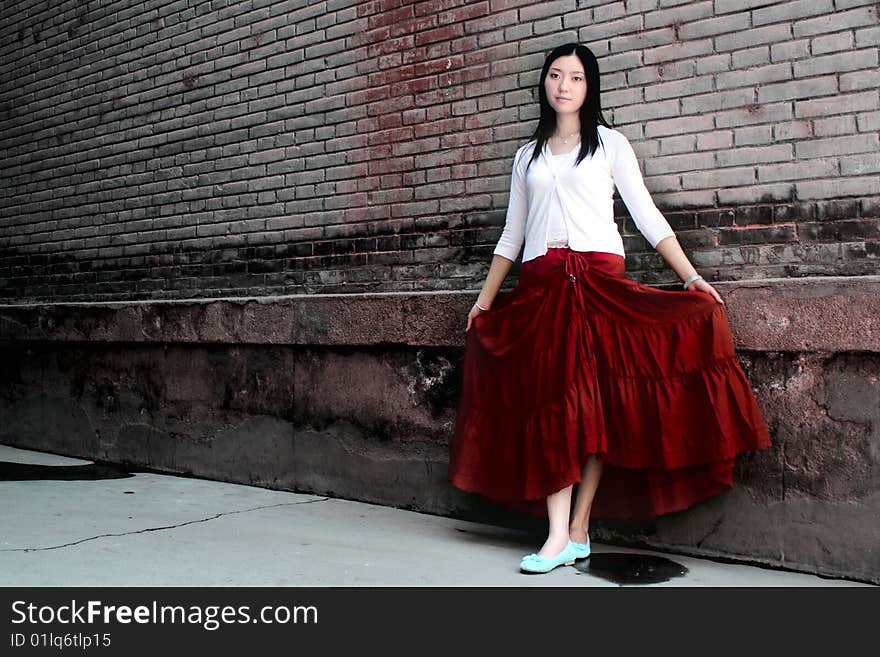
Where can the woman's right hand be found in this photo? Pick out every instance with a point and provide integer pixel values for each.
(476, 310)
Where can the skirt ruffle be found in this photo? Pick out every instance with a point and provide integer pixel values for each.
(579, 360)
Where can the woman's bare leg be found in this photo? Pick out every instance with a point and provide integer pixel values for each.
(580, 517)
(558, 510)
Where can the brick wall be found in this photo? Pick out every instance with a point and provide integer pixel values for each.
(166, 149)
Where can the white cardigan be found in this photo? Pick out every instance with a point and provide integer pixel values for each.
(581, 198)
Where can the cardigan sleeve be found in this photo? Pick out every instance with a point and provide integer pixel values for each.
(513, 235)
(628, 180)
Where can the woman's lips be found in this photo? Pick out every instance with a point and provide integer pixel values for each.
(561, 98)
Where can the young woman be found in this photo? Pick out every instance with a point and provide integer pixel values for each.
(579, 373)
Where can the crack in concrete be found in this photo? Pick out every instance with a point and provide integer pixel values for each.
(156, 529)
(715, 526)
(784, 466)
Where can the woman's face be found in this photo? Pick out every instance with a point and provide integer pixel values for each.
(566, 84)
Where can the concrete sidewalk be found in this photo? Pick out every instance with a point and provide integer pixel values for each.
(160, 530)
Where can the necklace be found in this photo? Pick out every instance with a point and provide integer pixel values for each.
(565, 139)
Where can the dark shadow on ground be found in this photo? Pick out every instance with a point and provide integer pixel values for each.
(10, 471)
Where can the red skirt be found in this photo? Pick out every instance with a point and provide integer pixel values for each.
(577, 360)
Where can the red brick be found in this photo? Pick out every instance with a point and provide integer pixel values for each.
(445, 33)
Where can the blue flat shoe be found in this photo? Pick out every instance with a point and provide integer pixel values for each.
(534, 563)
(582, 549)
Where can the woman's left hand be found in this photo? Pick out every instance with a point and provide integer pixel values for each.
(703, 286)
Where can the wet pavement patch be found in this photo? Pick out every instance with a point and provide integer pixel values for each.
(626, 568)
(10, 471)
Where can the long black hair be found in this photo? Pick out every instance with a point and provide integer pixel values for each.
(590, 112)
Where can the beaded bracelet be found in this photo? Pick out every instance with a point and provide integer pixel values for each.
(695, 277)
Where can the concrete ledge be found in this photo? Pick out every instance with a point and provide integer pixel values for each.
(356, 397)
(813, 314)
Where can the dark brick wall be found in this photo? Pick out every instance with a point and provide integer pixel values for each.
(166, 149)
